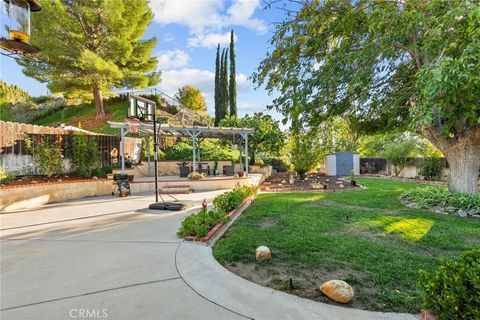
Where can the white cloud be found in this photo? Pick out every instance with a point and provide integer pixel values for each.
(242, 81)
(172, 59)
(209, 40)
(196, 14)
(204, 80)
(241, 12)
(168, 37)
(205, 17)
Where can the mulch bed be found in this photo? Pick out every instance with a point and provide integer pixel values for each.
(43, 179)
(280, 182)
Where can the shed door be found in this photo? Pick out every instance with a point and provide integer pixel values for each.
(344, 164)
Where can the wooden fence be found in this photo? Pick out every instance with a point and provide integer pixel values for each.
(15, 155)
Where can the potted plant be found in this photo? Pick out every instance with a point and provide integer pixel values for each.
(353, 182)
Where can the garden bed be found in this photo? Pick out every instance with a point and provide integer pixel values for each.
(205, 224)
(280, 182)
(368, 239)
(219, 226)
(35, 180)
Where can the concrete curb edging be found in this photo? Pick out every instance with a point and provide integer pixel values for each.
(199, 269)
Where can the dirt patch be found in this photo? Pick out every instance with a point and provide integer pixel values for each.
(304, 282)
(89, 122)
(267, 223)
(288, 181)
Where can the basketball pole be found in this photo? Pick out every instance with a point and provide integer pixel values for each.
(155, 154)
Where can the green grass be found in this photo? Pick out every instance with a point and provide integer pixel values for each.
(71, 113)
(366, 237)
(6, 112)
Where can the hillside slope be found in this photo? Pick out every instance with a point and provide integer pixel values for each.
(83, 116)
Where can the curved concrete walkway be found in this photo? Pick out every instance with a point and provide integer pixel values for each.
(114, 259)
(202, 273)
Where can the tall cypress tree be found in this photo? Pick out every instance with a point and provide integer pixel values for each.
(232, 92)
(217, 87)
(221, 92)
(225, 84)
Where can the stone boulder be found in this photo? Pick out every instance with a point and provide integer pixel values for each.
(337, 290)
(263, 253)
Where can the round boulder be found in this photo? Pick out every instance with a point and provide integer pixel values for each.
(263, 253)
(337, 290)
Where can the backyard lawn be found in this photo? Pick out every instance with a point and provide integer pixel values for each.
(366, 237)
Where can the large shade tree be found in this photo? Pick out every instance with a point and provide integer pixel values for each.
(192, 98)
(267, 137)
(385, 65)
(90, 47)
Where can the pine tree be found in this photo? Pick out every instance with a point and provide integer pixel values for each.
(225, 85)
(217, 87)
(233, 84)
(90, 47)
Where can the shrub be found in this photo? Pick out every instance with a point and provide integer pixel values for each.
(279, 165)
(230, 200)
(305, 153)
(453, 290)
(196, 175)
(5, 176)
(209, 150)
(101, 172)
(48, 156)
(398, 154)
(432, 196)
(431, 168)
(259, 162)
(199, 224)
(245, 191)
(85, 155)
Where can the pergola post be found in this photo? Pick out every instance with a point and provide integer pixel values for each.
(123, 133)
(199, 142)
(194, 150)
(246, 154)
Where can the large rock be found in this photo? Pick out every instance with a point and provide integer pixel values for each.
(462, 213)
(337, 290)
(263, 253)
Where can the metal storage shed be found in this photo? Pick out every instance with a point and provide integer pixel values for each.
(341, 163)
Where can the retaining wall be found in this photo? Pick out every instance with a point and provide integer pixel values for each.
(33, 195)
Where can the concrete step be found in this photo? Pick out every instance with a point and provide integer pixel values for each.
(175, 189)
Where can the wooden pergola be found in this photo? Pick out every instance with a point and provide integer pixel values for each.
(194, 132)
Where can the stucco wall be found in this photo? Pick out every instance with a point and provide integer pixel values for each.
(254, 179)
(414, 172)
(30, 196)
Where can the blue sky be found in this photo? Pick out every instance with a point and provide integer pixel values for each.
(188, 32)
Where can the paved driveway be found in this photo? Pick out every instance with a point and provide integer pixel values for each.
(100, 258)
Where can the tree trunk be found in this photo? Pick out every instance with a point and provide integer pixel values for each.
(463, 156)
(97, 97)
(252, 158)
